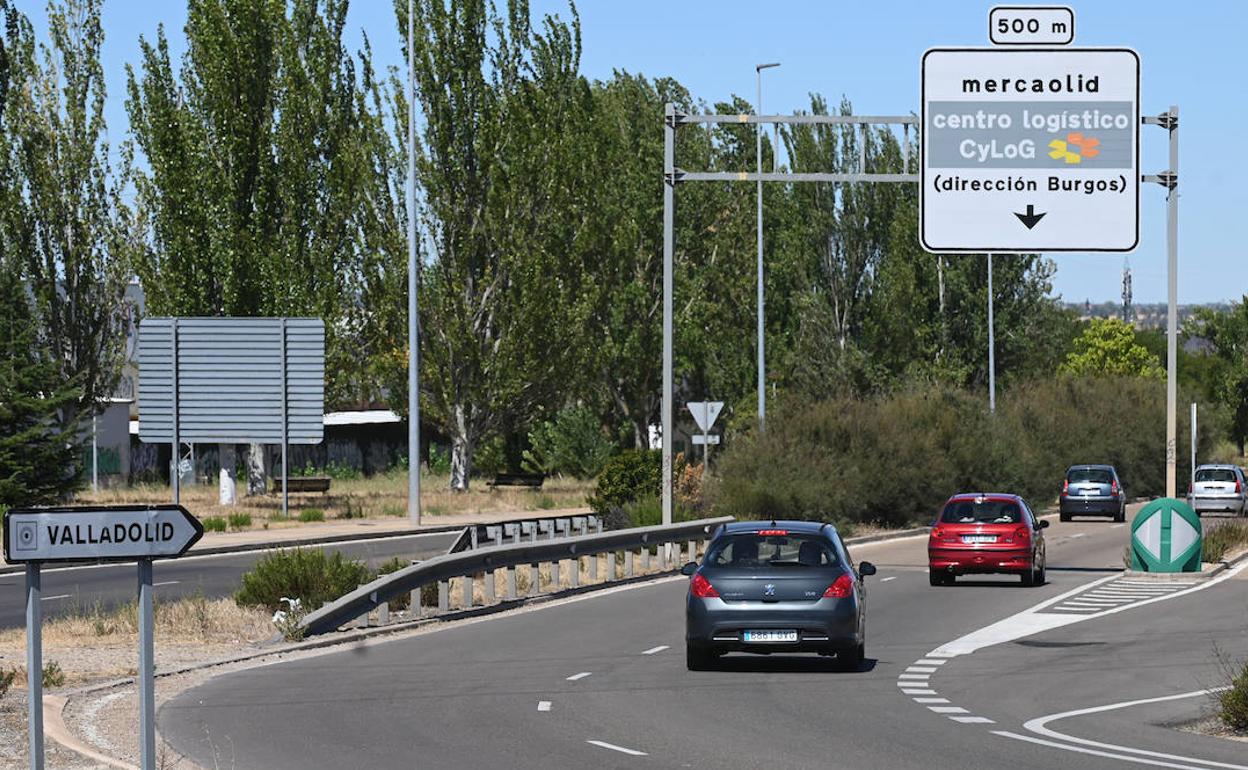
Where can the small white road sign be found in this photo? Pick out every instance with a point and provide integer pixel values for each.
(702, 438)
(705, 412)
(99, 533)
(1030, 150)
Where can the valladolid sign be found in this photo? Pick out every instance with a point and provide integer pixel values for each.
(1030, 150)
(101, 533)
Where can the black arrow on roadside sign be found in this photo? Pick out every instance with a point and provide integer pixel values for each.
(1031, 218)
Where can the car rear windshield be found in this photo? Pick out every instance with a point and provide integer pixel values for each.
(1215, 474)
(771, 548)
(1094, 475)
(981, 512)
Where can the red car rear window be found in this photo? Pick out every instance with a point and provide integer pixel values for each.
(981, 512)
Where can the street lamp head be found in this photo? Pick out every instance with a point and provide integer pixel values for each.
(761, 67)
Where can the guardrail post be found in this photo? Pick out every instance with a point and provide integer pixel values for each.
(693, 550)
(487, 586)
(444, 596)
(383, 614)
(362, 620)
(661, 552)
(574, 572)
(598, 523)
(511, 583)
(628, 563)
(466, 597)
(593, 567)
(472, 536)
(414, 604)
(554, 574)
(645, 558)
(610, 573)
(535, 580)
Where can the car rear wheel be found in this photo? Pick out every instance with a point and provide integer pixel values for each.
(1029, 577)
(1064, 516)
(937, 577)
(851, 659)
(698, 658)
(1122, 513)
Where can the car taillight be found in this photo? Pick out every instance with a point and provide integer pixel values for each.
(1022, 533)
(842, 587)
(771, 532)
(1066, 486)
(937, 533)
(702, 588)
(1238, 488)
(1113, 487)
(1190, 487)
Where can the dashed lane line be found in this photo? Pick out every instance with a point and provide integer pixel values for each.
(543, 705)
(621, 749)
(654, 650)
(577, 677)
(885, 580)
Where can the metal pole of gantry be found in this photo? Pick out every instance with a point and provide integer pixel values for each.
(95, 454)
(413, 319)
(34, 665)
(147, 670)
(1192, 477)
(669, 183)
(1172, 301)
(758, 162)
(177, 444)
(992, 348)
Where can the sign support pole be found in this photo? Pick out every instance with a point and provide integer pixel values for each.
(147, 683)
(706, 432)
(992, 348)
(1172, 334)
(669, 182)
(95, 454)
(177, 445)
(34, 664)
(1192, 477)
(285, 430)
(413, 313)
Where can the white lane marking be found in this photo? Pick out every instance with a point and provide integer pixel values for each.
(1033, 621)
(1078, 535)
(1117, 526)
(581, 675)
(58, 596)
(1068, 747)
(918, 692)
(885, 580)
(930, 662)
(949, 709)
(921, 677)
(167, 583)
(621, 749)
(1039, 726)
(931, 700)
(973, 720)
(921, 669)
(653, 650)
(543, 705)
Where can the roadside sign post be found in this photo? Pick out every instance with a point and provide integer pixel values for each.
(1192, 477)
(97, 534)
(704, 414)
(1166, 536)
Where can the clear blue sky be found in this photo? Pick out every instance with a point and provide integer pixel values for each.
(1192, 53)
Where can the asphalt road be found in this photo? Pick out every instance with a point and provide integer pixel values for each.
(600, 681)
(73, 588)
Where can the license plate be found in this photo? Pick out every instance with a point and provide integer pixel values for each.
(979, 538)
(1089, 491)
(769, 636)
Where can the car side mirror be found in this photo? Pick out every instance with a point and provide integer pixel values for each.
(1042, 524)
(689, 568)
(866, 568)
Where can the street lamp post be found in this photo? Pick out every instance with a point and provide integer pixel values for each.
(758, 152)
(413, 341)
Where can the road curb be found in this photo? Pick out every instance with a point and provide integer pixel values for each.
(1162, 577)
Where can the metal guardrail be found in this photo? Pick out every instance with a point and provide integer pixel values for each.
(486, 560)
(532, 528)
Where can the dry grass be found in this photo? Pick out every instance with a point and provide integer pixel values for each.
(94, 643)
(384, 495)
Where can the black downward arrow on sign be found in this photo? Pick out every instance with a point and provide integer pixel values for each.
(1031, 218)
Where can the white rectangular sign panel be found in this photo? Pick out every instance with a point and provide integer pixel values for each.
(1030, 150)
(101, 533)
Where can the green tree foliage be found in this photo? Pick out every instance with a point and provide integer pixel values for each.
(1228, 332)
(268, 168)
(61, 213)
(1108, 348)
(504, 169)
(572, 443)
(38, 431)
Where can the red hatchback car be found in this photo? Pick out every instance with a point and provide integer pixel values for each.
(986, 533)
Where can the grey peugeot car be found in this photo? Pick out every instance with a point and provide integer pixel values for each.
(1218, 488)
(1094, 490)
(776, 587)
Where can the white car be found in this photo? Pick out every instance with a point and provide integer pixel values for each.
(1218, 488)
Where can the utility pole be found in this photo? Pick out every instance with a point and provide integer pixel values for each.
(758, 158)
(413, 339)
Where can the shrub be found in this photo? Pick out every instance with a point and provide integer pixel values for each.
(53, 676)
(340, 470)
(572, 443)
(1219, 541)
(546, 502)
(893, 459)
(351, 509)
(393, 510)
(439, 460)
(311, 514)
(1234, 702)
(6, 681)
(240, 520)
(401, 601)
(214, 524)
(630, 475)
(310, 575)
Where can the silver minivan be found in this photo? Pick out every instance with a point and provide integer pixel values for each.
(1218, 488)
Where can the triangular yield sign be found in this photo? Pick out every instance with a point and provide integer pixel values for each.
(705, 412)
